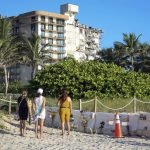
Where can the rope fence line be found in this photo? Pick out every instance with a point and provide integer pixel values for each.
(88, 101)
(115, 108)
(134, 101)
(142, 101)
(8, 101)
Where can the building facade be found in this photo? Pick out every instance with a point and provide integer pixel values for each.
(63, 32)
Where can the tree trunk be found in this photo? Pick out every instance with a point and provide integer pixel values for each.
(33, 72)
(132, 62)
(6, 80)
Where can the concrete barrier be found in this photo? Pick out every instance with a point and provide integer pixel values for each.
(103, 123)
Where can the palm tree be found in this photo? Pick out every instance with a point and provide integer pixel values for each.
(144, 65)
(34, 53)
(130, 46)
(107, 55)
(8, 49)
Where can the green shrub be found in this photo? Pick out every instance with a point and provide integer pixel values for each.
(90, 78)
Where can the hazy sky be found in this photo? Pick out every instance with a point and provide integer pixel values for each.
(114, 17)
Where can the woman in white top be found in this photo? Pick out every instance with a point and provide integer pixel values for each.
(39, 109)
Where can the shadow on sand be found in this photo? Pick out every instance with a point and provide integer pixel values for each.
(140, 144)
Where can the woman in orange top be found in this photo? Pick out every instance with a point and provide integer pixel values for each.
(65, 110)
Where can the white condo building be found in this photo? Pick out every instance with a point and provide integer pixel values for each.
(64, 33)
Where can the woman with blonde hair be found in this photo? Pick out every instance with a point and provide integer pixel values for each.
(23, 112)
(65, 110)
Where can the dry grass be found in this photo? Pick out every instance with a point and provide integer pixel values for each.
(112, 103)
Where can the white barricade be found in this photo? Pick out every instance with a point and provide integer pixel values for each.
(52, 117)
(133, 123)
(105, 123)
(48, 120)
(86, 118)
(101, 122)
(124, 119)
(143, 128)
(104, 118)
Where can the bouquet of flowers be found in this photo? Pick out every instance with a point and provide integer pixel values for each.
(84, 122)
(74, 127)
(52, 115)
(71, 118)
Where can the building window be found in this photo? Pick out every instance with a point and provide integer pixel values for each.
(43, 41)
(81, 31)
(60, 48)
(60, 56)
(60, 35)
(50, 34)
(43, 18)
(50, 47)
(43, 26)
(60, 21)
(60, 42)
(17, 21)
(42, 33)
(32, 27)
(50, 41)
(50, 20)
(59, 28)
(16, 29)
(50, 27)
(51, 55)
(33, 18)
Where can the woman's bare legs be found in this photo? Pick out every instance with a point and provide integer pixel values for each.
(36, 129)
(62, 128)
(68, 126)
(41, 127)
(39, 124)
(21, 127)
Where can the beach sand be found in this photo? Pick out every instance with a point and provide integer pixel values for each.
(10, 139)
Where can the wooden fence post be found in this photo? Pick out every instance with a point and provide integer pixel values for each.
(9, 111)
(134, 104)
(95, 104)
(80, 104)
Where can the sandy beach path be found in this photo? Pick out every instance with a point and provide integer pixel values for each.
(52, 140)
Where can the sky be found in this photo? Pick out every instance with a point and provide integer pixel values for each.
(113, 17)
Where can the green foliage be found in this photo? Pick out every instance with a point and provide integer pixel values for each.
(90, 78)
(15, 87)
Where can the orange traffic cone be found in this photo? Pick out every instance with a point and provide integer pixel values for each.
(118, 133)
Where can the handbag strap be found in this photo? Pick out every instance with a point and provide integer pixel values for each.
(20, 102)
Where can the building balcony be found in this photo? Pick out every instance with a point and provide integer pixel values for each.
(59, 38)
(54, 31)
(57, 51)
(60, 31)
(58, 24)
(50, 23)
(60, 45)
(34, 20)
